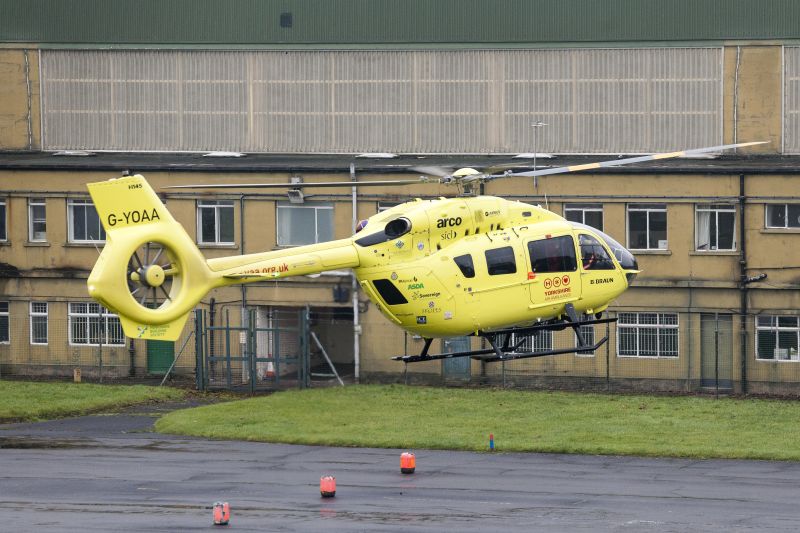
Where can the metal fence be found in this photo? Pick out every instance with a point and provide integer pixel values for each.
(646, 352)
(274, 348)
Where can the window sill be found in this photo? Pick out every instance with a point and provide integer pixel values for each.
(37, 244)
(651, 252)
(5, 243)
(212, 246)
(98, 244)
(780, 231)
(715, 252)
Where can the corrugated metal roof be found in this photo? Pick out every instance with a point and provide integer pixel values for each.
(341, 23)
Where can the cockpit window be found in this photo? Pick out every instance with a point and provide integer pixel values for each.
(626, 259)
(465, 264)
(393, 229)
(556, 254)
(593, 254)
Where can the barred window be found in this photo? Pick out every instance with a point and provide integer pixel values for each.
(777, 338)
(90, 324)
(38, 322)
(647, 335)
(540, 342)
(587, 333)
(5, 335)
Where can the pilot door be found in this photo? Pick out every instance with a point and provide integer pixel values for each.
(553, 276)
(599, 274)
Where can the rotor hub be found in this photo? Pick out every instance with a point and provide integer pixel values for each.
(153, 276)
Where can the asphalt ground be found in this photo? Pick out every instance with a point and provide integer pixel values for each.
(112, 473)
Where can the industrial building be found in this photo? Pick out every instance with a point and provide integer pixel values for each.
(194, 92)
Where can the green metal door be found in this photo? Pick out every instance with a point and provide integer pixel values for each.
(159, 356)
(457, 368)
(716, 351)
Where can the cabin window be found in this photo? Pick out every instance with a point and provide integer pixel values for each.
(593, 254)
(390, 294)
(501, 261)
(553, 255)
(465, 264)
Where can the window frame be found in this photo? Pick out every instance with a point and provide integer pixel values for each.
(316, 207)
(584, 208)
(39, 315)
(107, 317)
(32, 220)
(786, 225)
(715, 209)
(639, 326)
(647, 208)
(7, 315)
(216, 206)
(777, 329)
(82, 202)
(3, 220)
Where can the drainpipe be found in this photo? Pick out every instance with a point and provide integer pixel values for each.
(743, 285)
(354, 287)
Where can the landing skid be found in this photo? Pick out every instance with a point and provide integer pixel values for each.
(508, 352)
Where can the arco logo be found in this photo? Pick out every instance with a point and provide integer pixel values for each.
(448, 222)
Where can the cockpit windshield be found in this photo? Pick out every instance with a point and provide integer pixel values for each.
(626, 259)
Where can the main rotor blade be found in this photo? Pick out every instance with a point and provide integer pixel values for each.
(384, 183)
(626, 161)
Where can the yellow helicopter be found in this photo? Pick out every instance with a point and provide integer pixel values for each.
(446, 267)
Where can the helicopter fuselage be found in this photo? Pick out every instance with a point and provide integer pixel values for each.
(465, 265)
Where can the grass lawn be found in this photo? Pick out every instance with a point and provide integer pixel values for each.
(462, 419)
(26, 401)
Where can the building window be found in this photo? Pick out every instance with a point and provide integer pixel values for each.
(587, 332)
(647, 335)
(84, 223)
(589, 214)
(385, 206)
(37, 220)
(715, 227)
(783, 216)
(3, 232)
(38, 322)
(304, 224)
(5, 333)
(647, 226)
(92, 324)
(215, 222)
(540, 342)
(777, 338)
